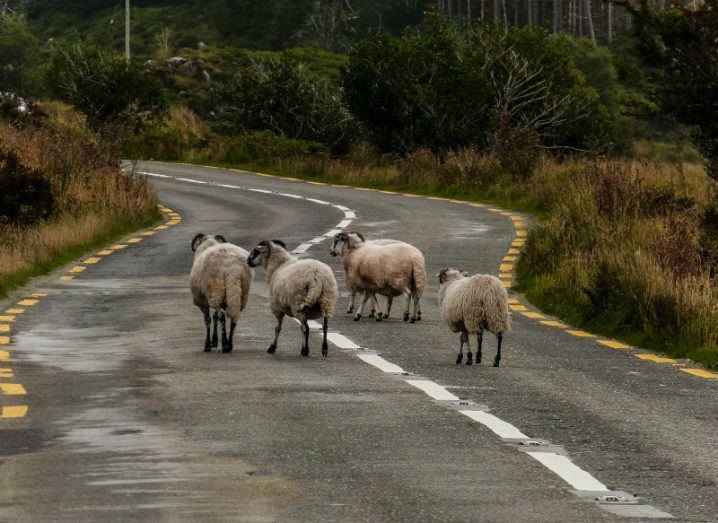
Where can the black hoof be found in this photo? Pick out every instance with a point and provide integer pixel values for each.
(351, 309)
(357, 317)
(272, 348)
(371, 314)
(459, 358)
(406, 317)
(325, 350)
(208, 349)
(418, 317)
(413, 319)
(496, 364)
(379, 316)
(469, 361)
(305, 351)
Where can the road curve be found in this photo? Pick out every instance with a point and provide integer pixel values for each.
(127, 418)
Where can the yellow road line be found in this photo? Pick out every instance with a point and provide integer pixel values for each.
(364, 189)
(517, 243)
(657, 359)
(161, 227)
(552, 323)
(77, 269)
(495, 210)
(27, 303)
(67, 277)
(507, 284)
(534, 315)
(410, 195)
(439, 198)
(518, 308)
(510, 258)
(6, 373)
(516, 218)
(614, 344)
(118, 247)
(105, 252)
(172, 222)
(10, 319)
(514, 251)
(17, 411)
(477, 204)
(702, 373)
(513, 301)
(91, 260)
(580, 334)
(148, 233)
(134, 240)
(519, 224)
(506, 267)
(4, 328)
(505, 275)
(15, 311)
(12, 389)
(316, 183)
(388, 192)
(520, 232)
(4, 355)
(38, 295)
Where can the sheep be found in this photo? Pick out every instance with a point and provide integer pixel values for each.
(220, 279)
(304, 289)
(345, 262)
(388, 267)
(471, 305)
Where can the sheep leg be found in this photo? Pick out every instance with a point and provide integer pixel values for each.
(305, 337)
(207, 324)
(277, 330)
(375, 306)
(469, 356)
(325, 346)
(499, 337)
(351, 301)
(230, 344)
(214, 329)
(357, 316)
(460, 356)
(223, 328)
(479, 340)
(389, 299)
(417, 312)
(406, 309)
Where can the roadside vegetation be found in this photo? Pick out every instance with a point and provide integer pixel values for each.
(62, 192)
(611, 147)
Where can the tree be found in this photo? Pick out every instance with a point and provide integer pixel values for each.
(681, 46)
(19, 56)
(109, 90)
(281, 95)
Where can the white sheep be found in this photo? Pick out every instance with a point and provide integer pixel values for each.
(387, 267)
(299, 288)
(471, 305)
(220, 280)
(348, 237)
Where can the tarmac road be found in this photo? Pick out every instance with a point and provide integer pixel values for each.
(128, 419)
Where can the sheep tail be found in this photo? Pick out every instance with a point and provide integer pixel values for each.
(418, 276)
(313, 294)
(233, 295)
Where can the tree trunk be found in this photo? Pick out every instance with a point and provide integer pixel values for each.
(589, 19)
(529, 13)
(556, 26)
(497, 10)
(609, 22)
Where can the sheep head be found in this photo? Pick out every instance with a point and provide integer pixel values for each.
(350, 239)
(261, 253)
(450, 274)
(202, 239)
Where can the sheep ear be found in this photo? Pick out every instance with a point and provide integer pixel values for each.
(199, 238)
(442, 275)
(220, 238)
(280, 243)
(360, 235)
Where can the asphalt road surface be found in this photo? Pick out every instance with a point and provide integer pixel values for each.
(114, 412)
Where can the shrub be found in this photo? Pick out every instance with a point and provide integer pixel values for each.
(109, 90)
(26, 197)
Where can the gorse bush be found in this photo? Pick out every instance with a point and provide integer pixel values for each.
(440, 88)
(26, 196)
(108, 89)
(283, 96)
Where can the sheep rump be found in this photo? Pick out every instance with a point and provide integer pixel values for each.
(476, 304)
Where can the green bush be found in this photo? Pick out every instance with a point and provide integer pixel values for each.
(109, 90)
(26, 196)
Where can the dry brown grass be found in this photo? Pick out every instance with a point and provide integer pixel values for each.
(94, 200)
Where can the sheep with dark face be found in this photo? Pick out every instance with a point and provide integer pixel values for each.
(471, 305)
(387, 267)
(304, 289)
(220, 280)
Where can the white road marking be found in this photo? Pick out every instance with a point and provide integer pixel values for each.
(263, 191)
(432, 389)
(498, 426)
(342, 341)
(380, 363)
(342, 224)
(318, 239)
(303, 247)
(563, 467)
